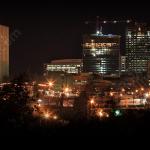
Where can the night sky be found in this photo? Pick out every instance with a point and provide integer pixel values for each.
(51, 31)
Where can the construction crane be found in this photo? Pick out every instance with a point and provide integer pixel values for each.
(99, 23)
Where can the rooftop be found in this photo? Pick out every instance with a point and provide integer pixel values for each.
(67, 61)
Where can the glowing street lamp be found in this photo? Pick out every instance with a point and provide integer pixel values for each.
(123, 90)
(92, 101)
(136, 91)
(50, 83)
(46, 116)
(111, 94)
(146, 95)
(39, 100)
(55, 117)
(66, 89)
(100, 113)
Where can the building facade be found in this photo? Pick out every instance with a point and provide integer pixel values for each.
(137, 48)
(71, 66)
(4, 52)
(123, 64)
(101, 54)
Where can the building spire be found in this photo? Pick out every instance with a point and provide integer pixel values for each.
(98, 27)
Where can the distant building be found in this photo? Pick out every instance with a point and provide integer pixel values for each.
(123, 64)
(101, 54)
(4, 52)
(71, 66)
(137, 48)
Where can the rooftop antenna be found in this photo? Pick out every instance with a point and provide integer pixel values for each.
(98, 27)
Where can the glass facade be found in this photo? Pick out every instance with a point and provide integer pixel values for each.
(137, 48)
(101, 54)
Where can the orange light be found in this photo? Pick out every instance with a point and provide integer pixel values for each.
(123, 90)
(92, 101)
(46, 115)
(136, 91)
(55, 117)
(50, 84)
(111, 94)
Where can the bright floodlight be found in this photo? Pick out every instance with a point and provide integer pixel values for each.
(66, 89)
(50, 84)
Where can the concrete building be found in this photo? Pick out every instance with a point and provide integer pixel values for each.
(71, 66)
(4, 52)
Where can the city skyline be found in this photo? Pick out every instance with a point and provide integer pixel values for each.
(75, 68)
(50, 34)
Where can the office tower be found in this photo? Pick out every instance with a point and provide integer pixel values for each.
(4, 52)
(123, 64)
(137, 48)
(101, 54)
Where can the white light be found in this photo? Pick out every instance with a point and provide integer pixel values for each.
(128, 21)
(92, 101)
(146, 95)
(55, 117)
(98, 32)
(117, 112)
(39, 100)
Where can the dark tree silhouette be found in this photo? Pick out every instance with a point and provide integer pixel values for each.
(14, 109)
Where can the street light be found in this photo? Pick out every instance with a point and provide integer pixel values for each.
(111, 94)
(39, 100)
(146, 95)
(92, 101)
(46, 115)
(50, 83)
(55, 117)
(136, 91)
(66, 89)
(123, 90)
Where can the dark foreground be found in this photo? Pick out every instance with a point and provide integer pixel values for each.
(130, 124)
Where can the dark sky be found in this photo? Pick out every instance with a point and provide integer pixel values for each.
(47, 31)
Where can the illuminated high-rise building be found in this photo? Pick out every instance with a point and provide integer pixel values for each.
(4, 52)
(137, 48)
(101, 54)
